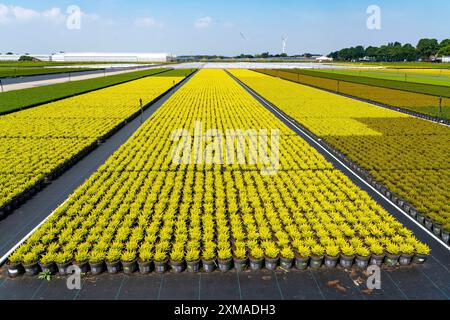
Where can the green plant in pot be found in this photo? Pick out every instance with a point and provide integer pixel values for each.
(272, 255)
(224, 259)
(347, 256)
(422, 252)
(240, 257)
(14, 264)
(113, 260)
(48, 264)
(317, 255)
(287, 257)
(362, 256)
(256, 258)
(30, 263)
(392, 254)
(193, 259)
(302, 257)
(331, 256)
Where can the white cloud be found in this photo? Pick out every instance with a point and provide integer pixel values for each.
(147, 22)
(204, 22)
(228, 24)
(53, 14)
(23, 13)
(4, 10)
(10, 13)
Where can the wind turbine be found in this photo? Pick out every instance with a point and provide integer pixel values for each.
(284, 40)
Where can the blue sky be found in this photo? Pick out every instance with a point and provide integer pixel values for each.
(215, 27)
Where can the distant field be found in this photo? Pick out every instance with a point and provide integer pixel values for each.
(440, 77)
(400, 65)
(7, 72)
(19, 99)
(425, 88)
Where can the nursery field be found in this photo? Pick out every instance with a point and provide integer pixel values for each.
(439, 77)
(141, 206)
(19, 99)
(22, 72)
(408, 155)
(422, 98)
(37, 142)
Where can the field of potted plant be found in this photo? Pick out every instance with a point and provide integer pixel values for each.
(142, 212)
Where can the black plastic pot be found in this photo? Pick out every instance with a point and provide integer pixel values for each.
(240, 265)
(437, 229)
(15, 270)
(97, 267)
(256, 264)
(225, 265)
(376, 260)
(286, 263)
(271, 264)
(62, 268)
(83, 266)
(330, 262)
(428, 224)
(391, 259)
(177, 266)
(346, 261)
(113, 267)
(208, 265)
(445, 236)
(419, 258)
(129, 267)
(405, 259)
(193, 266)
(316, 262)
(420, 218)
(161, 266)
(301, 263)
(145, 267)
(49, 268)
(362, 262)
(32, 269)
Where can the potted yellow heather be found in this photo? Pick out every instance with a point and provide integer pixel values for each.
(407, 253)
(317, 255)
(193, 260)
(362, 257)
(256, 258)
(81, 260)
(145, 263)
(208, 261)
(113, 261)
(422, 252)
(240, 258)
(14, 264)
(129, 263)
(160, 259)
(63, 261)
(347, 256)
(272, 256)
(331, 256)
(378, 255)
(224, 259)
(30, 263)
(96, 261)
(287, 258)
(392, 254)
(47, 263)
(302, 257)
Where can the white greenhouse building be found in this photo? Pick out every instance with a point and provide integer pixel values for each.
(111, 57)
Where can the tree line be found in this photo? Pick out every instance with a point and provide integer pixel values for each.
(426, 49)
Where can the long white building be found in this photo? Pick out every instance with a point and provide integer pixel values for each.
(95, 57)
(111, 57)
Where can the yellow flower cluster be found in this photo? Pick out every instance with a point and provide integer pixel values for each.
(139, 205)
(409, 155)
(35, 142)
